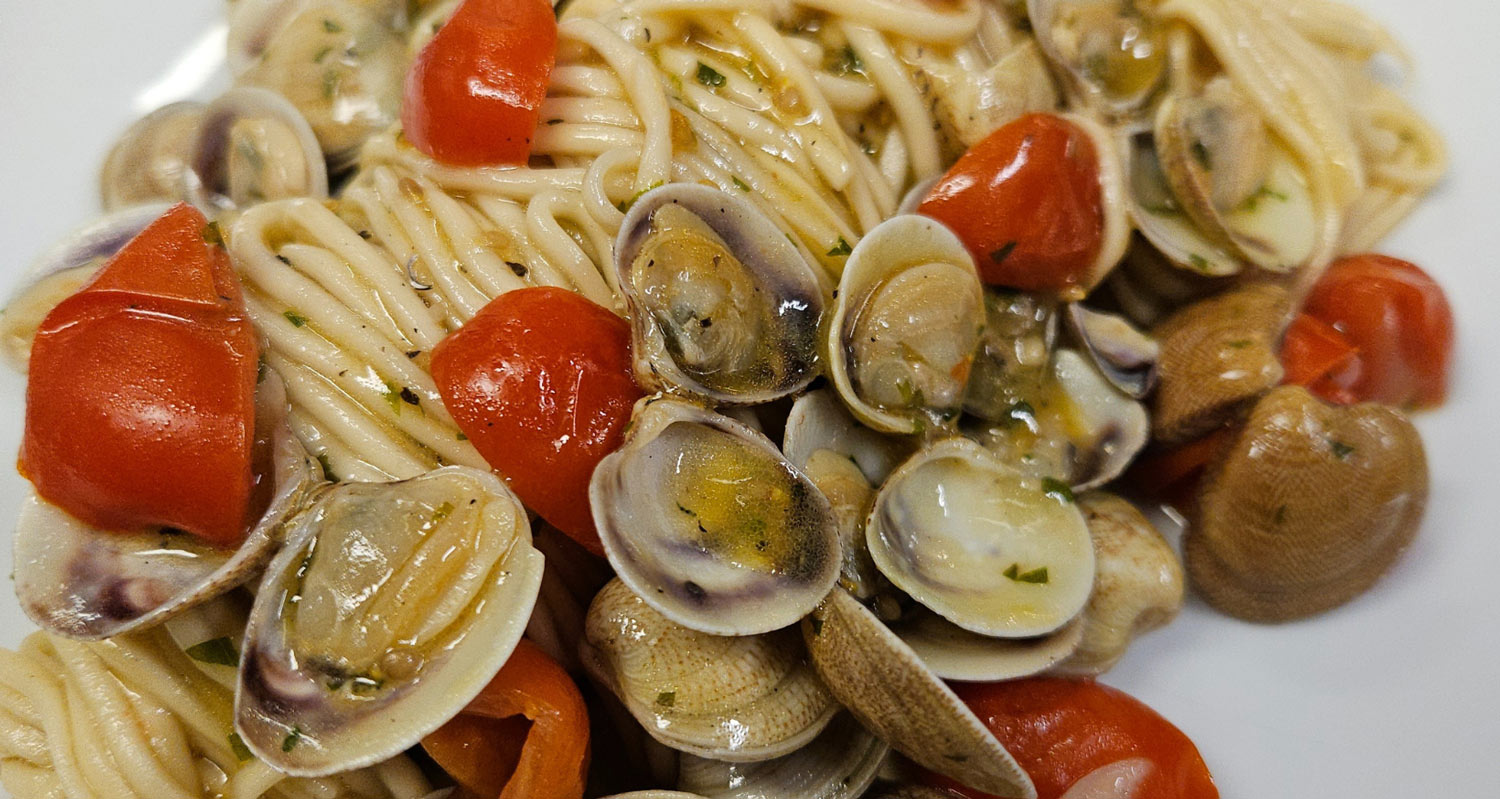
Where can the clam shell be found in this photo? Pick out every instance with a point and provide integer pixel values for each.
(908, 287)
(738, 699)
(839, 764)
(971, 538)
(211, 182)
(1124, 355)
(682, 529)
(769, 317)
(1307, 508)
(1138, 583)
(954, 653)
(390, 608)
(75, 581)
(1058, 33)
(894, 695)
(151, 160)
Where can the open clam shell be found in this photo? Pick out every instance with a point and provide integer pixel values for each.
(730, 698)
(390, 608)
(151, 160)
(841, 763)
(1111, 56)
(906, 326)
(991, 550)
(894, 695)
(722, 305)
(1124, 355)
(253, 145)
(954, 653)
(704, 518)
(76, 581)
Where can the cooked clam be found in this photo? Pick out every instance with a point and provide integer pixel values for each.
(1160, 218)
(954, 653)
(1217, 356)
(722, 305)
(1138, 583)
(150, 161)
(80, 582)
(704, 518)
(1112, 56)
(846, 461)
(1020, 333)
(1307, 508)
(839, 764)
(340, 63)
(1124, 355)
(906, 325)
(391, 606)
(251, 146)
(894, 695)
(732, 698)
(1232, 179)
(989, 549)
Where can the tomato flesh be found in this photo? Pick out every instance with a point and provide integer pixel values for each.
(1062, 730)
(1318, 357)
(540, 382)
(474, 93)
(1399, 320)
(526, 735)
(140, 399)
(1027, 203)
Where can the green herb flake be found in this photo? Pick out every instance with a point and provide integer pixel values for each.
(1263, 193)
(1341, 450)
(213, 235)
(218, 651)
(625, 205)
(708, 76)
(666, 698)
(841, 248)
(847, 62)
(1280, 514)
(552, 122)
(327, 468)
(442, 512)
(291, 740)
(331, 79)
(1057, 489)
(1014, 572)
(297, 320)
(322, 54)
(461, 437)
(1240, 343)
(740, 184)
(242, 752)
(331, 26)
(1199, 262)
(999, 256)
(1035, 576)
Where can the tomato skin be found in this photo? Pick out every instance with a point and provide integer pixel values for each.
(1398, 318)
(540, 381)
(474, 93)
(491, 750)
(140, 399)
(1027, 202)
(1061, 730)
(1318, 357)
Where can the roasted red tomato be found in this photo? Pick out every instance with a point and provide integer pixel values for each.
(1027, 203)
(540, 381)
(1317, 356)
(525, 736)
(1399, 320)
(474, 92)
(140, 405)
(1063, 732)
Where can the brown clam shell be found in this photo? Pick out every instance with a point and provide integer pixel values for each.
(1308, 507)
(1217, 357)
(888, 689)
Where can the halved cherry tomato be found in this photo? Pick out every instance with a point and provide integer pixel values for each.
(475, 91)
(540, 381)
(526, 736)
(140, 405)
(1400, 321)
(1317, 356)
(1060, 731)
(1027, 203)
(1172, 476)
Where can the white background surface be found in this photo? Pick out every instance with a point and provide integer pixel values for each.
(1395, 695)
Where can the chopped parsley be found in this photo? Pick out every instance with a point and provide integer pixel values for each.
(1198, 262)
(740, 184)
(1341, 450)
(218, 651)
(461, 437)
(1036, 576)
(213, 235)
(1057, 489)
(327, 468)
(708, 76)
(242, 752)
(666, 698)
(847, 61)
(297, 320)
(1263, 193)
(291, 740)
(999, 256)
(331, 26)
(841, 248)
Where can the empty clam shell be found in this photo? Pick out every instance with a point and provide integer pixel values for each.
(80, 582)
(731, 698)
(839, 764)
(253, 145)
(390, 608)
(704, 518)
(894, 695)
(151, 160)
(991, 550)
(722, 305)
(1124, 355)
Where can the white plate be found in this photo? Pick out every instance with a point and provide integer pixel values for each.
(1394, 695)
